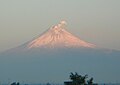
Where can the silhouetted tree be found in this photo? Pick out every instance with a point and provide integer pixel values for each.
(78, 79)
(83, 79)
(90, 82)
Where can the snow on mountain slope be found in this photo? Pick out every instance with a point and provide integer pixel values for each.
(58, 36)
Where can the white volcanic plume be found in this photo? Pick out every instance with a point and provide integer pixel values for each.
(57, 36)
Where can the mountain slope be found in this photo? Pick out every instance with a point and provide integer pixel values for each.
(46, 65)
(57, 36)
(30, 62)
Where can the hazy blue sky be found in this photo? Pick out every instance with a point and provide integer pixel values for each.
(96, 21)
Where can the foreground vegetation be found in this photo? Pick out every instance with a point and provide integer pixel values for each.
(77, 79)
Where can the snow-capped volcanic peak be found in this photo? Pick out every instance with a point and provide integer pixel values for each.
(57, 36)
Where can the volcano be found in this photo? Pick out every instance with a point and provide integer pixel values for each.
(56, 53)
(58, 36)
